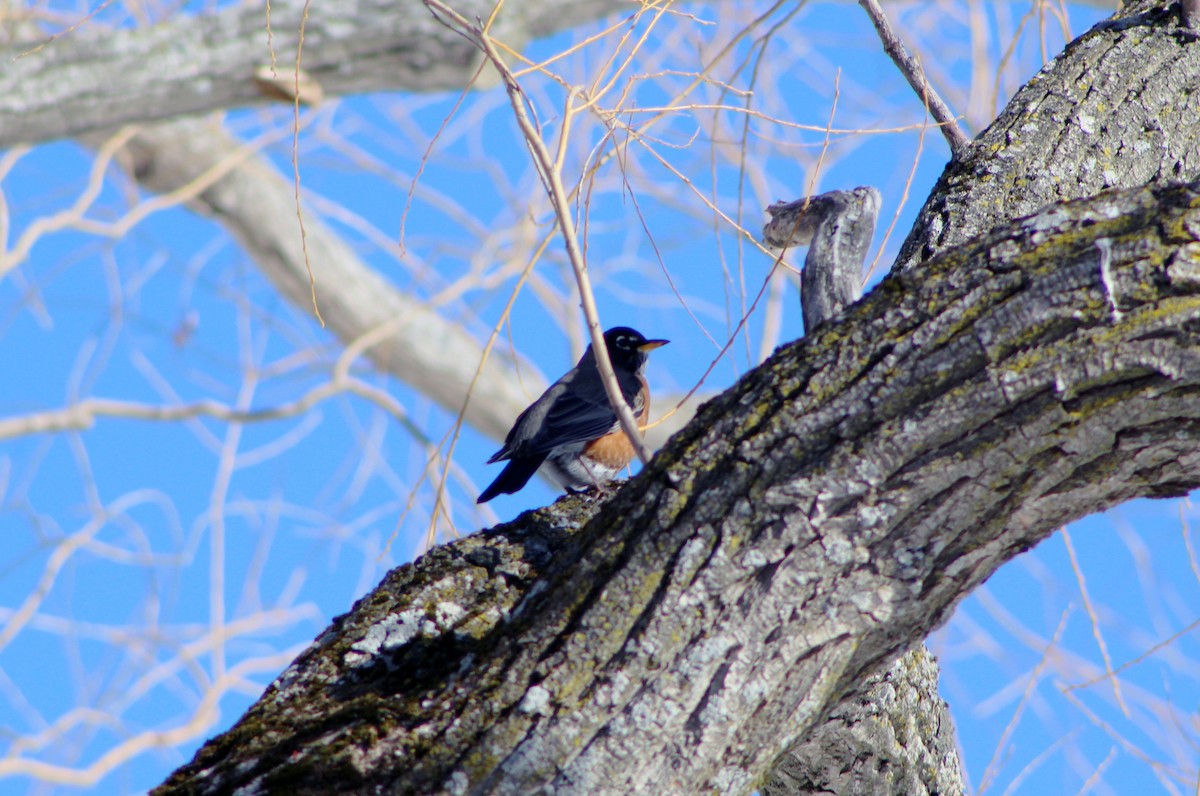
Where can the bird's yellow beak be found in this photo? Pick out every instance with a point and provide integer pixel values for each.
(650, 345)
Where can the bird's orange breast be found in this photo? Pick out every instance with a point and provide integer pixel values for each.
(614, 450)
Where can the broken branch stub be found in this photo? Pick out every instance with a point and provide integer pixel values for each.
(837, 227)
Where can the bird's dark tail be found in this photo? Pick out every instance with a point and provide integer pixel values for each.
(515, 475)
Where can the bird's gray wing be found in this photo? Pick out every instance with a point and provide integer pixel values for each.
(583, 413)
(573, 411)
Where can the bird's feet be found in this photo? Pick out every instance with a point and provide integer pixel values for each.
(596, 491)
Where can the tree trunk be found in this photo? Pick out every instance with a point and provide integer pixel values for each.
(894, 738)
(816, 519)
(1116, 109)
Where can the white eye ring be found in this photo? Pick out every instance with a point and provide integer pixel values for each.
(623, 341)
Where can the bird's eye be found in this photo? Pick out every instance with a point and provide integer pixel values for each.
(622, 341)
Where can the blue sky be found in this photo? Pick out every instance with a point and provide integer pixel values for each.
(130, 524)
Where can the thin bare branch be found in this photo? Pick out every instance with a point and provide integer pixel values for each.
(990, 772)
(560, 199)
(1095, 620)
(910, 67)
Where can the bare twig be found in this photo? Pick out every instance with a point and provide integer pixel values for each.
(196, 162)
(560, 200)
(908, 183)
(439, 496)
(205, 715)
(83, 414)
(312, 281)
(1166, 642)
(1091, 612)
(1035, 676)
(1187, 538)
(912, 71)
(1121, 739)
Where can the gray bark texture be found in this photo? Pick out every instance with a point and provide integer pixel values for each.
(821, 516)
(95, 79)
(836, 227)
(896, 738)
(1116, 109)
(812, 522)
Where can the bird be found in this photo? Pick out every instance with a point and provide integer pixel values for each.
(572, 429)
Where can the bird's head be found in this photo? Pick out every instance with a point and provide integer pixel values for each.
(627, 348)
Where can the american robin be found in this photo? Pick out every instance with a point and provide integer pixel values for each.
(572, 429)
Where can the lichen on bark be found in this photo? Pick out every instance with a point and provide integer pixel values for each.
(892, 463)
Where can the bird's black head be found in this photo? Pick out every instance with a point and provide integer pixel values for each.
(627, 348)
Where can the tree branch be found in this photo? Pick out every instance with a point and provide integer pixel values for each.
(1117, 109)
(256, 205)
(910, 67)
(836, 227)
(823, 514)
(98, 78)
(896, 738)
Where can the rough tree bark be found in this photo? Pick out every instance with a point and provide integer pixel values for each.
(96, 79)
(812, 522)
(837, 228)
(1072, 333)
(1117, 108)
(896, 737)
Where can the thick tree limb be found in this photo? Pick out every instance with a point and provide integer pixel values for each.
(97, 78)
(897, 736)
(1117, 108)
(823, 514)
